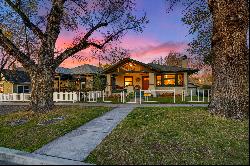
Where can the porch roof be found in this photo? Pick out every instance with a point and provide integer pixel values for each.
(156, 68)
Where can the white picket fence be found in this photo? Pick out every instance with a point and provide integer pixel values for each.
(91, 96)
(100, 96)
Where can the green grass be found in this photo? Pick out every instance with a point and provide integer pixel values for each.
(178, 100)
(174, 136)
(30, 136)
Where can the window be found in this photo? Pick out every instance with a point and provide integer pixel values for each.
(169, 76)
(128, 80)
(1, 88)
(23, 89)
(158, 80)
(169, 80)
(180, 79)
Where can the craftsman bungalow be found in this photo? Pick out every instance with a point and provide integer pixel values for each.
(75, 79)
(131, 76)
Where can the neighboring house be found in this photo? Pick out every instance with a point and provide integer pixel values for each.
(192, 87)
(14, 81)
(75, 79)
(132, 75)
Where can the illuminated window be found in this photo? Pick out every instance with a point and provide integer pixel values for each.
(158, 80)
(128, 80)
(169, 76)
(169, 80)
(1, 88)
(180, 79)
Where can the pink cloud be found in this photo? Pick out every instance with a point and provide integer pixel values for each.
(142, 49)
(148, 53)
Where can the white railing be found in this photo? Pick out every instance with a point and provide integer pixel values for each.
(184, 94)
(15, 97)
(101, 96)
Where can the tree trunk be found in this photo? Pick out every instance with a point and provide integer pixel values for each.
(230, 89)
(42, 90)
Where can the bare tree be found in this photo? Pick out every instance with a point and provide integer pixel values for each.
(103, 21)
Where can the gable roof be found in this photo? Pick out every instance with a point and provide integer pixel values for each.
(154, 67)
(83, 69)
(16, 76)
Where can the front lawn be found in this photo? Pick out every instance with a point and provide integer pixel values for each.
(28, 131)
(174, 135)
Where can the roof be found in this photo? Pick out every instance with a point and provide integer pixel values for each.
(191, 85)
(83, 69)
(165, 68)
(16, 76)
(154, 67)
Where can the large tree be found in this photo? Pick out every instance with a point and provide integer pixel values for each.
(230, 60)
(221, 39)
(36, 26)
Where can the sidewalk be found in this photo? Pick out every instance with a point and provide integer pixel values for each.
(78, 144)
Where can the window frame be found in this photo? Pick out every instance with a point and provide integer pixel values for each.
(129, 81)
(176, 84)
(23, 89)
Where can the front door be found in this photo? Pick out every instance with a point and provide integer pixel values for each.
(145, 82)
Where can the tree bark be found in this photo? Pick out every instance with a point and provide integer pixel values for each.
(230, 89)
(42, 90)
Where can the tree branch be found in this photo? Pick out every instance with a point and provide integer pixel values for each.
(54, 20)
(81, 45)
(12, 50)
(26, 20)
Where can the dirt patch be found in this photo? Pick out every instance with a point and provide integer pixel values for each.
(6, 109)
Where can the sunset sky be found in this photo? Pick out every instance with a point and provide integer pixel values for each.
(163, 33)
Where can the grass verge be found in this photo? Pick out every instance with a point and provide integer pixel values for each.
(174, 135)
(30, 136)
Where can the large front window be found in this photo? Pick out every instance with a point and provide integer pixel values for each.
(128, 80)
(170, 79)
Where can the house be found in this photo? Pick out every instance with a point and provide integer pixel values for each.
(131, 75)
(75, 79)
(14, 81)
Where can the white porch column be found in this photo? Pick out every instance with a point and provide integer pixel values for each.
(186, 83)
(109, 85)
(152, 83)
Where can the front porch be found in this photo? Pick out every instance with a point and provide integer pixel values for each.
(128, 82)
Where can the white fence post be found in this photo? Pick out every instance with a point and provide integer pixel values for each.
(203, 95)
(198, 94)
(191, 94)
(174, 95)
(140, 96)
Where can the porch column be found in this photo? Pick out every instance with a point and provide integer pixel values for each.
(109, 85)
(152, 83)
(186, 83)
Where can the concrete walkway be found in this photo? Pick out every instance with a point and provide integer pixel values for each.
(78, 144)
